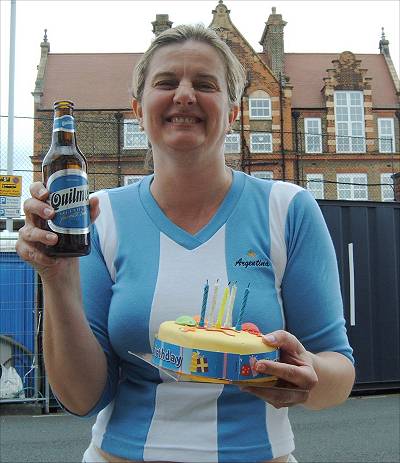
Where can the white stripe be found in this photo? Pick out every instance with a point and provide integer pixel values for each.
(100, 426)
(280, 198)
(192, 425)
(186, 271)
(351, 285)
(280, 432)
(105, 225)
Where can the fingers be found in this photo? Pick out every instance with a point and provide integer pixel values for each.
(38, 190)
(31, 234)
(30, 253)
(34, 207)
(303, 376)
(284, 340)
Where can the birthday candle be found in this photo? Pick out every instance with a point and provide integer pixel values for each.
(244, 302)
(222, 308)
(204, 305)
(232, 295)
(213, 303)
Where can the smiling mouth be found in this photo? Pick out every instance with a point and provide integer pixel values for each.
(183, 120)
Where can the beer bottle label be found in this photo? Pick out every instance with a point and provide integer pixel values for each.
(64, 124)
(69, 197)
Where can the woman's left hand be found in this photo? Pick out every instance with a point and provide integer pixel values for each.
(294, 370)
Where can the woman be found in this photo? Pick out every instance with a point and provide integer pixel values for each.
(154, 245)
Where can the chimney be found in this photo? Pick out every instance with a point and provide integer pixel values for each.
(273, 43)
(161, 24)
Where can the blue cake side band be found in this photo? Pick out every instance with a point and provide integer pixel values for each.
(209, 364)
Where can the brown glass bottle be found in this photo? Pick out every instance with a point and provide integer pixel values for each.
(64, 175)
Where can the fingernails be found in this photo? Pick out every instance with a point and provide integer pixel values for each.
(47, 211)
(42, 191)
(270, 338)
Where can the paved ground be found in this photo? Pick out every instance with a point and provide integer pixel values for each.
(364, 429)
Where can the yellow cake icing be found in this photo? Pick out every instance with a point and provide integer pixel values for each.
(214, 339)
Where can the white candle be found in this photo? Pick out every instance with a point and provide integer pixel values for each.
(232, 295)
(213, 303)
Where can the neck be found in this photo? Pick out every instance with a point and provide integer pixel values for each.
(190, 195)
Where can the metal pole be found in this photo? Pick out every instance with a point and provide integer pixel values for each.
(11, 77)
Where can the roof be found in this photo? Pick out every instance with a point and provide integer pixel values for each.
(90, 80)
(306, 71)
(103, 80)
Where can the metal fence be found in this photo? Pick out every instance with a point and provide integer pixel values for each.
(331, 167)
(23, 378)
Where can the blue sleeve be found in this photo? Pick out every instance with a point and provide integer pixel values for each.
(96, 294)
(310, 287)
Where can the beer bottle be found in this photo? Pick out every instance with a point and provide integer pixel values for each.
(64, 175)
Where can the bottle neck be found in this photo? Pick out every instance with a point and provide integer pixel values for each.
(64, 127)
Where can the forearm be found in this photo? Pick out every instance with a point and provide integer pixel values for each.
(335, 375)
(75, 363)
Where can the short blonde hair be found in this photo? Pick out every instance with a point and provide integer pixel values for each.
(235, 75)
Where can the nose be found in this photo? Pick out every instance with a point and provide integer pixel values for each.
(184, 95)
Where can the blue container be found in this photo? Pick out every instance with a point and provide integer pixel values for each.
(17, 314)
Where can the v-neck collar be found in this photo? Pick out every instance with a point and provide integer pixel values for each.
(178, 234)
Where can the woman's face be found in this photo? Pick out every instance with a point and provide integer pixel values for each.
(185, 105)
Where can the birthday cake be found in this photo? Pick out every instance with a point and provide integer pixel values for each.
(197, 349)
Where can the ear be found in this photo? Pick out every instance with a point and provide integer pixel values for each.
(137, 109)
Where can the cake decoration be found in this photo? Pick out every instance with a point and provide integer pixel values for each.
(200, 349)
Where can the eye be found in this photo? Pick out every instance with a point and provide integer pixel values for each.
(206, 86)
(165, 84)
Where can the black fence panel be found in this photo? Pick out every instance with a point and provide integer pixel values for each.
(366, 236)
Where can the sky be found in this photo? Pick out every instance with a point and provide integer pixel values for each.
(78, 26)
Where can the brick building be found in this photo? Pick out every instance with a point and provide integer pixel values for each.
(327, 121)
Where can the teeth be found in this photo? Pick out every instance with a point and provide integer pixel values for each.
(183, 120)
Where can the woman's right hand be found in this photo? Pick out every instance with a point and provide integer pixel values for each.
(32, 238)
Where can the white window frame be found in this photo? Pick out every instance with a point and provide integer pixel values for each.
(263, 174)
(348, 191)
(315, 185)
(255, 147)
(232, 143)
(354, 142)
(266, 107)
(387, 187)
(313, 138)
(129, 179)
(140, 140)
(385, 138)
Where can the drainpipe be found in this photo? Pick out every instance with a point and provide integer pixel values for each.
(118, 116)
(282, 134)
(296, 115)
(243, 144)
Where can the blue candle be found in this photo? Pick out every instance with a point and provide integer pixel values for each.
(244, 303)
(204, 305)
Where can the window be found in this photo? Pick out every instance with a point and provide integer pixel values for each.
(386, 135)
(133, 137)
(352, 186)
(315, 185)
(261, 142)
(232, 143)
(129, 179)
(260, 108)
(313, 138)
(264, 174)
(349, 118)
(387, 189)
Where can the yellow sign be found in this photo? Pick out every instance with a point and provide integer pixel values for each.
(10, 185)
